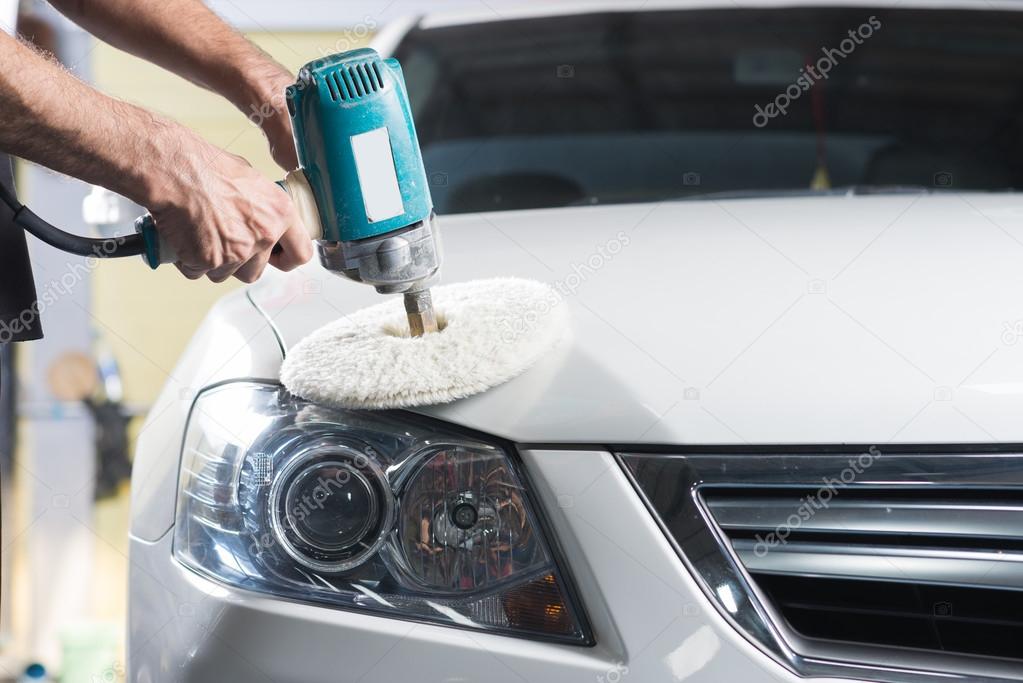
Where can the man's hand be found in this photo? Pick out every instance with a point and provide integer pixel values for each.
(271, 115)
(221, 216)
(277, 130)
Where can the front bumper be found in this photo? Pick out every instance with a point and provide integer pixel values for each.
(650, 620)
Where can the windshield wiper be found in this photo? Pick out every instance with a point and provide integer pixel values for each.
(758, 194)
(844, 190)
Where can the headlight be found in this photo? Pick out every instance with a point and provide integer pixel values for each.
(368, 511)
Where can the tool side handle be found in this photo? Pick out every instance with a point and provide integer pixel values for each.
(158, 251)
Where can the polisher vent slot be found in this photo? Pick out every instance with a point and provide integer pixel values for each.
(355, 81)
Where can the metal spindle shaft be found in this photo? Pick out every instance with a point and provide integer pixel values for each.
(421, 316)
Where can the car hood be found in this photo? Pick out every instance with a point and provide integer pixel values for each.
(813, 320)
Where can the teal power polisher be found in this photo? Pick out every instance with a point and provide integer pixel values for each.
(361, 187)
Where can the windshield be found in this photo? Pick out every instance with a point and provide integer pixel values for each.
(641, 106)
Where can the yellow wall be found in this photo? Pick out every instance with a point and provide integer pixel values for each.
(149, 317)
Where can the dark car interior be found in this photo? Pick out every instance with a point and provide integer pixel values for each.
(642, 106)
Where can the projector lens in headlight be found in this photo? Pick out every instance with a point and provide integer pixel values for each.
(330, 508)
(370, 511)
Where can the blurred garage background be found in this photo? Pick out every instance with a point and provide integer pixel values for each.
(113, 335)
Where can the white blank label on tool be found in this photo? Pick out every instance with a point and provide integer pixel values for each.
(377, 177)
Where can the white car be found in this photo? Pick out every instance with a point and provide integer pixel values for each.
(782, 442)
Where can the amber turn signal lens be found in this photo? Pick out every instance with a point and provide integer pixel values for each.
(540, 606)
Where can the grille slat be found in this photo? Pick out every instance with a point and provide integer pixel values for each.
(824, 565)
(912, 565)
(904, 565)
(848, 514)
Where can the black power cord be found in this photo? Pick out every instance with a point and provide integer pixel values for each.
(113, 247)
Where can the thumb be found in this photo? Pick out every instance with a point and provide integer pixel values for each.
(277, 130)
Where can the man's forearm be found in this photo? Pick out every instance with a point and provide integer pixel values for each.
(221, 216)
(186, 37)
(50, 117)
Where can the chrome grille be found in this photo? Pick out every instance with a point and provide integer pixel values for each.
(895, 565)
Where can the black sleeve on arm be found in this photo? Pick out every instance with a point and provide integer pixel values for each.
(19, 310)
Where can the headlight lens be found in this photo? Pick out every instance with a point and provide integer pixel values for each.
(330, 507)
(362, 510)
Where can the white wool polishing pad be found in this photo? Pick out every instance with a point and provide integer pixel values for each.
(491, 331)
